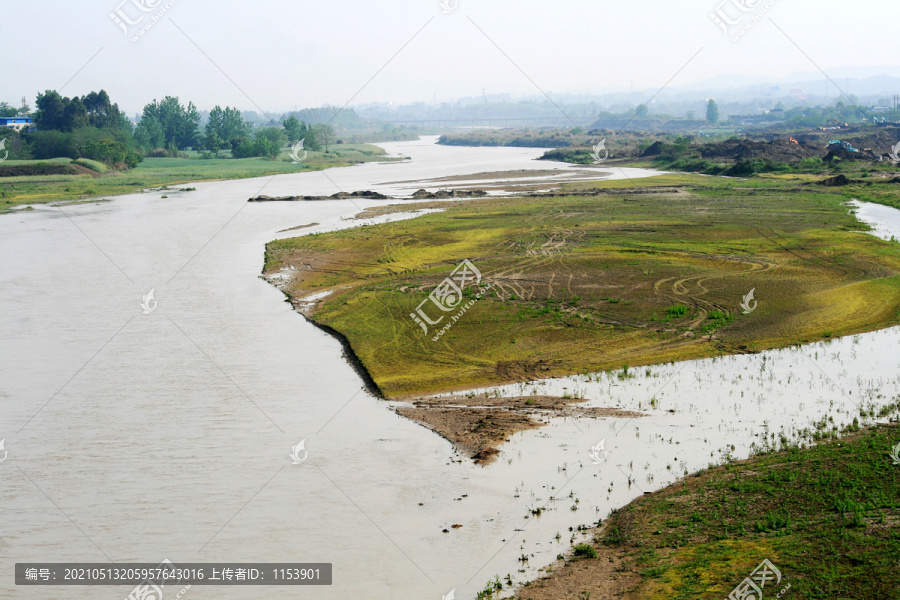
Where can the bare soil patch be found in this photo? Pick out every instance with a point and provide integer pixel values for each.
(297, 227)
(477, 425)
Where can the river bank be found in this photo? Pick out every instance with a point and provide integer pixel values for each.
(159, 174)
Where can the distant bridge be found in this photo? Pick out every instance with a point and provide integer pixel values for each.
(504, 122)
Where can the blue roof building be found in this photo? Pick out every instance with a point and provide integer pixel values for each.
(17, 123)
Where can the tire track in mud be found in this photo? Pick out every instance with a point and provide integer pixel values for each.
(812, 258)
(540, 256)
(680, 292)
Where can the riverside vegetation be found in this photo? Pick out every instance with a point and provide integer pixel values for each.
(83, 147)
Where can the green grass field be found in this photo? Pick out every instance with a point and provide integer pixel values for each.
(587, 283)
(157, 172)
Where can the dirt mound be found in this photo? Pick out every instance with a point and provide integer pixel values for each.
(775, 150)
(836, 181)
(655, 149)
(474, 432)
(880, 139)
(477, 425)
(41, 169)
(368, 195)
(441, 194)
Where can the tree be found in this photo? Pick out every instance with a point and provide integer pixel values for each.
(311, 139)
(269, 141)
(292, 129)
(641, 111)
(69, 114)
(325, 135)
(243, 148)
(149, 134)
(190, 134)
(103, 114)
(227, 123)
(213, 143)
(712, 111)
(50, 109)
(265, 147)
(179, 124)
(8, 110)
(224, 128)
(89, 126)
(273, 134)
(75, 115)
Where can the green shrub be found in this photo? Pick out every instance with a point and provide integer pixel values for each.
(677, 311)
(51, 144)
(813, 163)
(585, 550)
(110, 152)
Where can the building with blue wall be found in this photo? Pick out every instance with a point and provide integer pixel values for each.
(17, 123)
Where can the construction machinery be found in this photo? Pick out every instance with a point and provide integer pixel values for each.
(843, 145)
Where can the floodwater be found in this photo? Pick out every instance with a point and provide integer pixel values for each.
(137, 437)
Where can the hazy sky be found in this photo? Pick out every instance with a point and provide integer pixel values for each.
(294, 54)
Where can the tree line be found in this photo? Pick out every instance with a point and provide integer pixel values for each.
(93, 127)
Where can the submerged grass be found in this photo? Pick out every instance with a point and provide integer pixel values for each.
(825, 516)
(648, 271)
